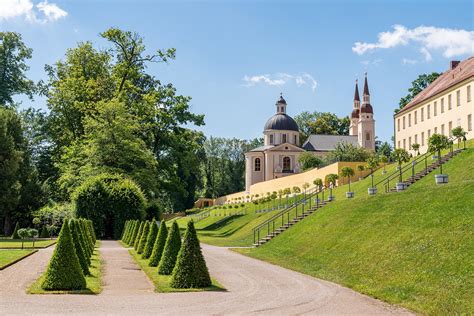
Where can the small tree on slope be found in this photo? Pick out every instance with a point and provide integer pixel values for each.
(190, 270)
(172, 246)
(64, 271)
(150, 240)
(159, 245)
(146, 230)
(81, 255)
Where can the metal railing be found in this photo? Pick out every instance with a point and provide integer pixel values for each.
(291, 213)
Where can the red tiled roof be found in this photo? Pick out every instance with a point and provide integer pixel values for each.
(463, 71)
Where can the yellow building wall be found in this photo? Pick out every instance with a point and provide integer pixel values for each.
(298, 180)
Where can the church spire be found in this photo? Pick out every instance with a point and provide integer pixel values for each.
(366, 86)
(356, 93)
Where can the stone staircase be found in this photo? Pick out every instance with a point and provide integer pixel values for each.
(421, 174)
(288, 224)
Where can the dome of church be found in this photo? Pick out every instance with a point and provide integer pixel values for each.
(367, 108)
(281, 122)
(355, 113)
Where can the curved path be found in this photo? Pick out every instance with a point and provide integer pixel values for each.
(253, 287)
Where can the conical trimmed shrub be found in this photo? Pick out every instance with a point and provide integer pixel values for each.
(64, 270)
(130, 232)
(190, 270)
(172, 246)
(77, 239)
(136, 227)
(15, 232)
(44, 232)
(92, 231)
(136, 242)
(159, 245)
(125, 230)
(150, 240)
(141, 244)
(84, 240)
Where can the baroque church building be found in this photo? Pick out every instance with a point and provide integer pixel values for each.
(278, 157)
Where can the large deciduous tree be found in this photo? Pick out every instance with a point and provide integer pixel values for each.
(321, 123)
(418, 85)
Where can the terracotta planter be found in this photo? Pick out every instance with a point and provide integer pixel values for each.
(349, 195)
(401, 186)
(441, 178)
(372, 191)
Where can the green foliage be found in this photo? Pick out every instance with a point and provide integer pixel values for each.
(44, 232)
(400, 156)
(347, 172)
(416, 147)
(437, 142)
(332, 178)
(152, 211)
(417, 86)
(143, 238)
(150, 240)
(321, 123)
(318, 182)
(190, 270)
(459, 133)
(109, 200)
(383, 149)
(78, 246)
(170, 252)
(159, 245)
(372, 163)
(348, 152)
(136, 242)
(52, 215)
(15, 234)
(64, 270)
(308, 160)
(134, 234)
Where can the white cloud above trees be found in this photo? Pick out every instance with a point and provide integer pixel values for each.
(280, 79)
(42, 12)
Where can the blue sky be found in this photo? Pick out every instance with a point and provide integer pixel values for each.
(235, 57)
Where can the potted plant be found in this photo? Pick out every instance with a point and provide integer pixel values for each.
(459, 134)
(372, 164)
(319, 184)
(348, 172)
(332, 178)
(305, 187)
(383, 159)
(360, 168)
(416, 148)
(436, 143)
(400, 156)
(295, 190)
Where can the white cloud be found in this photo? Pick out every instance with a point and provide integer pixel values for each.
(374, 62)
(451, 42)
(41, 13)
(281, 79)
(407, 61)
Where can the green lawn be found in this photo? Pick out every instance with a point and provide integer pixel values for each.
(9, 256)
(412, 248)
(161, 282)
(94, 284)
(16, 243)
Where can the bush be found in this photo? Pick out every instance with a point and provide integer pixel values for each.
(78, 246)
(127, 238)
(190, 270)
(53, 216)
(159, 245)
(136, 226)
(136, 242)
(109, 200)
(170, 252)
(15, 232)
(142, 242)
(150, 240)
(64, 270)
(152, 211)
(44, 232)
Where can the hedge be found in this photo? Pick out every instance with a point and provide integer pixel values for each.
(170, 252)
(150, 240)
(159, 245)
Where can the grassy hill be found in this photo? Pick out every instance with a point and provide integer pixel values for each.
(412, 248)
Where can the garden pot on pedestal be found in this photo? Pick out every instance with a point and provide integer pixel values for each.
(372, 191)
(441, 178)
(401, 186)
(349, 195)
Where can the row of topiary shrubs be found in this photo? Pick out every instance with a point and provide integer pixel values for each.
(163, 249)
(72, 256)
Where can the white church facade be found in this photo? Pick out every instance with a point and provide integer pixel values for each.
(278, 157)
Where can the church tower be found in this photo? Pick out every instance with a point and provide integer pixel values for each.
(355, 113)
(366, 125)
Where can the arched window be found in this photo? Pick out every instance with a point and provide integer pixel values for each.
(367, 136)
(271, 139)
(257, 164)
(286, 164)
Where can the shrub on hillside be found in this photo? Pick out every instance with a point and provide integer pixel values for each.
(15, 232)
(190, 270)
(159, 245)
(150, 240)
(78, 246)
(170, 252)
(142, 242)
(64, 270)
(109, 200)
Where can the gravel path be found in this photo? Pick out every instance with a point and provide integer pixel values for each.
(253, 287)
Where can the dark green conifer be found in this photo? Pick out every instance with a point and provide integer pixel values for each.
(64, 270)
(15, 231)
(141, 244)
(159, 245)
(190, 270)
(150, 240)
(172, 246)
(136, 242)
(77, 239)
